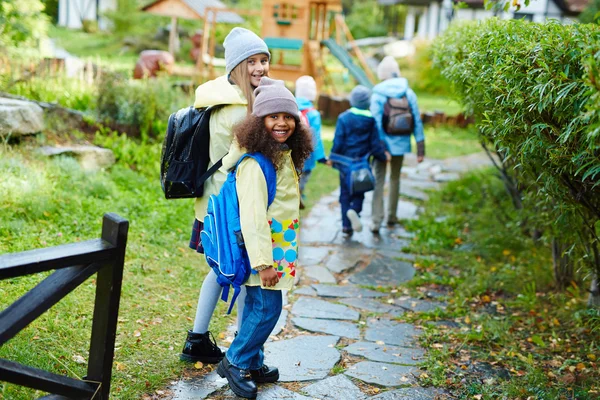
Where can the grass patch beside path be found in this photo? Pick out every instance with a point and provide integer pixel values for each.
(511, 317)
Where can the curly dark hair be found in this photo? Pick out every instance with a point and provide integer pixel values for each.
(252, 136)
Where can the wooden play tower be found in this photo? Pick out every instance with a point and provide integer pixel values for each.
(308, 26)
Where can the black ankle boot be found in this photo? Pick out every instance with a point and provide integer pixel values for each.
(265, 374)
(240, 381)
(201, 347)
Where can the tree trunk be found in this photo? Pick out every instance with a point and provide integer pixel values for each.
(563, 268)
(594, 299)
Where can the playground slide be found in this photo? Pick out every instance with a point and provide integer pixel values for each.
(346, 59)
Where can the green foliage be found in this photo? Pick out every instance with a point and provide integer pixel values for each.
(138, 106)
(366, 19)
(51, 9)
(534, 90)
(68, 92)
(22, 23)
(590, 13)
(423, 75)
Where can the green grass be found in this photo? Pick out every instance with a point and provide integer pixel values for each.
(435, 102)
(503, 295)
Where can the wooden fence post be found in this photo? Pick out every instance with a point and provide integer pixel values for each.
(106, 308)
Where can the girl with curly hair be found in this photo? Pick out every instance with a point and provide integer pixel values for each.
(270, 232)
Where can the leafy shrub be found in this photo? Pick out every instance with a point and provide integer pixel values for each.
(22, 22)
(535, 89)
(138, 106)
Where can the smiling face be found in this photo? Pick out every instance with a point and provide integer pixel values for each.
(280, 126)
(258, 66)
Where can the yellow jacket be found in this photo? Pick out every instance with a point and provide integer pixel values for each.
(220, 92)
(271, 236)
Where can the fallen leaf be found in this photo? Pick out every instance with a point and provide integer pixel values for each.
(591, 357)
(137, 334)
(78, 359)
(580, 366)
(198, 365)
(380, 342)
(120, 366)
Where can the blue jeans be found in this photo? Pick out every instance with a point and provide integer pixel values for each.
(348, 201)
(262, 310)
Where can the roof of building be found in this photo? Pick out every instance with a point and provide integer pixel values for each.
(199, 7)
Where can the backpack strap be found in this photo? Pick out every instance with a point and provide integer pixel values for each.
(268, 170)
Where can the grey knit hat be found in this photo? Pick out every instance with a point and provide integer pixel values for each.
(388, 68)
(306, 87)
(360, 97)
(240, 44)
(271, 97)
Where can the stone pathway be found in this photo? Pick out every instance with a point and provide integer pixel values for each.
(338, 339)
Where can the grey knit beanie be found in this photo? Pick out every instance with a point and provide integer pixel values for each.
(240, 44)
(271, 97)
(388, 68)
(360, 97)
(306, 87)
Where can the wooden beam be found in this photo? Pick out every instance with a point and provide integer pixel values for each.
(45, 381)
(33, 261)
(39, 299)
(173, 36)
(106, 306)
(361, 58)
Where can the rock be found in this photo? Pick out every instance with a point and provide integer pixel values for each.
(345, 259)
(18, 118)
(373, 306)
(384, 271)
(344, 291)
(383, 374)
(314, 308)
(319, 274)
(198, 388)
(390, 332)
(386, 353)
(281, 322)
(410, 393)
(446, 177)
(412, 193)
(303, 358)
(418, 305)
(309, 255)
(278, 393)
(306, 291)
(335, 388)
(337, 328)
(89, 157)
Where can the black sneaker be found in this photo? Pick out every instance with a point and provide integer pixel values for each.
(265, 374)
(240, 380)
(201, 347)
(347, 231)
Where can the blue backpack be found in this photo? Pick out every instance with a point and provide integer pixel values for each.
(359, 176)
(222, 238)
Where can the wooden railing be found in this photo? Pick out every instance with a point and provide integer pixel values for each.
(74, 263)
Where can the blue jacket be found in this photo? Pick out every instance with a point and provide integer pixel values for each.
(314, 120)
(356, 135)
(396, 87)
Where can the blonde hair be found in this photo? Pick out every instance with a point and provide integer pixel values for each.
(239, 76)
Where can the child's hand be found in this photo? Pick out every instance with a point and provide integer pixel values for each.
(269, 277)
(329, 163)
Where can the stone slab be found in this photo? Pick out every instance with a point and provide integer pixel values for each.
(409, 393)
(90, 157)
(344, 259)
(310, 255)
(413, 193)
(419, 184)
(315, 308)
(337, 328)
(386, 353)
(198, 388)
(418, 305)
(384, 271)
(278, 393)
(446, 177)
(372, 306)
(281, 322)
(344, 291)
(303, 358)
(383, 374)
(305, 291)
(334, 388)
(391, 332)
(18, 117)
(319, 274)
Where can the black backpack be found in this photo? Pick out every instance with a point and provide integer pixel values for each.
(185, 157)
(397, 119)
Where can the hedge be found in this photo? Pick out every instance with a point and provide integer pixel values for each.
(535, 92)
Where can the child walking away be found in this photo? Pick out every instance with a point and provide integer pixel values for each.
(247, 61)
(355, 139)
(306, 93)
(270, 232)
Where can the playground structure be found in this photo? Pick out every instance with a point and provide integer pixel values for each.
(300, 28)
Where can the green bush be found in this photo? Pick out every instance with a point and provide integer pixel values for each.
(22, 22)
(535, 91)
(138, 106)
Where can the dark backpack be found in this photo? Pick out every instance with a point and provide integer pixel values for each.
(397, 118)
(184, 158)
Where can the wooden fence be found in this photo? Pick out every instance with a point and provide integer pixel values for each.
(74, 263)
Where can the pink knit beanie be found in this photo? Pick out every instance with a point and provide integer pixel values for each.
(271, 97)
